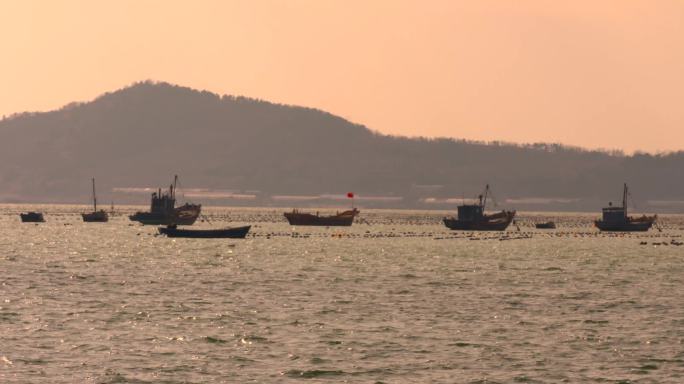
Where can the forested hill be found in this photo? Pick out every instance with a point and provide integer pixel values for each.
(141, 135)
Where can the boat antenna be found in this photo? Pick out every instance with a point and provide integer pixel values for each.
(625, 195)
(94, 197)
(179, 186)
(483, 202)
(494, 199)
(631, 199)
(175, 182)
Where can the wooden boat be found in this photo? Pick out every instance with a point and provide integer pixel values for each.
(546, 225)
(95, 216)
(616, 219)
(230, 233)
(472, 217)
(32, 217)
(341, 219)
(164, 212)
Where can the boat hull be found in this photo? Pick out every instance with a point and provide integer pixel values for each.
(638, 226)
(496, 222)
(225, 233)
(32, 217)
(185, 215)
(95, 217)
(344, 219)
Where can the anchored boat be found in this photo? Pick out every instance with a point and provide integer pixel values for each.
(32, 217)
(95, 216)
(472, 217)
(546, 225)
(230, 233)
(616, 219)
(341, 219)
(164, 212)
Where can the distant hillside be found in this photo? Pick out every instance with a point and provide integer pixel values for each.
(142, 135)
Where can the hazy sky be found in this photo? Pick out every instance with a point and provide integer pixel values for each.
(589, 73)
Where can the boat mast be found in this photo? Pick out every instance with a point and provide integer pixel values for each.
(483, 203)
(624, 198)
(94, 197)
(173, 191)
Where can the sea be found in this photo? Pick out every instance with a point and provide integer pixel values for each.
(396, 298)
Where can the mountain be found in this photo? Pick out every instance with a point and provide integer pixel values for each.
(142, 135)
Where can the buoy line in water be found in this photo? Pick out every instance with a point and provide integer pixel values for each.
(473, 236)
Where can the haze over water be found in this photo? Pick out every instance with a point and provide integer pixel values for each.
(396, 298)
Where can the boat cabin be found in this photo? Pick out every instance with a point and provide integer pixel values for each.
(162, 202)
(471, 212)
(614, 214)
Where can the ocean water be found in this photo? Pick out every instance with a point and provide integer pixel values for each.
(396, 298)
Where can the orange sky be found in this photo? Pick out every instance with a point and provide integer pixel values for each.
(589, 73)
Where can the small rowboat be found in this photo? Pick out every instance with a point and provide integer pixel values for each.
(546, 225)
(230, 233)
(32, 217)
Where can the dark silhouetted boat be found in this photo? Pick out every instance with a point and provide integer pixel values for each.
(164, 212)
(341, 219)
(615, 219)
(32, 217)
(95, 216)
(472, 217)
(229, 233)
(546, 225)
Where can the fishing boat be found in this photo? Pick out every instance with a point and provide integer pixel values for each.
(616, 219)
(163, 210)
(340, 219)
(222, 233)
(545, 225)
(95, 216)
(32, 217)
(472, 217)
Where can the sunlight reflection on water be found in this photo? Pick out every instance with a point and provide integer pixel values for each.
(396, 299)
